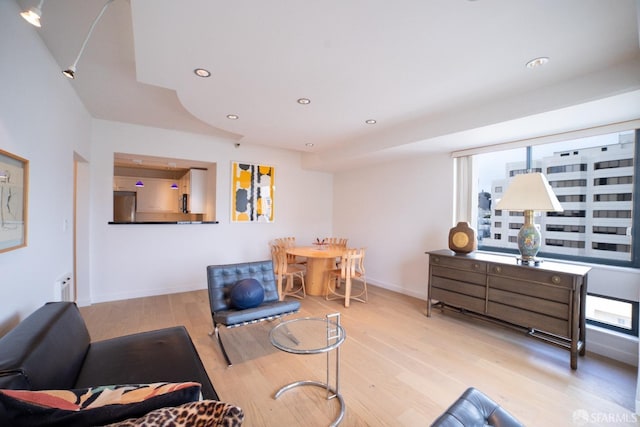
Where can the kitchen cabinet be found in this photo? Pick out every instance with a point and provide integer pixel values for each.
(124, 183)
(547, 301)
(194, 183)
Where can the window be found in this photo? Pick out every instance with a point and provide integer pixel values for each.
(566, 228)
(569, 183)
(612, 313)
(565, 243)
(612, 214)
(624, 163)
(568, 213)
(571, 198)
(614, 180)
(592, 177)
(610, 230)
(567, 168)
(618, 197)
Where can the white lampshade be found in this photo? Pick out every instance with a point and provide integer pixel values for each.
(530, 191)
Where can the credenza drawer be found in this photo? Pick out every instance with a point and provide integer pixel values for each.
(529, 319)
(531, 274)
(478, 291)
(459, 263)
(458, 300)
(460, 275)
(548, 292)
(529, 303)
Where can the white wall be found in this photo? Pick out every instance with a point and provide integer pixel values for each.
(398, 211)
(42, 120)
(138, 260)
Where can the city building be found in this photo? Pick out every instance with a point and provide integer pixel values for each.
(595, 187)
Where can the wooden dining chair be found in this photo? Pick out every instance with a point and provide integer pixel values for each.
(351, 269)
(289, 242)
(336, 242)
(284, 270)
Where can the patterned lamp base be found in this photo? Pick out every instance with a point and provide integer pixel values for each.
(529, 240)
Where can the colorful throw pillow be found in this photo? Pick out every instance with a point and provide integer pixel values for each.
(91, 406)
(246, 293)
(206, 413)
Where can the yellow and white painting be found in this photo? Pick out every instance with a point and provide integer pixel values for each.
(252, 188)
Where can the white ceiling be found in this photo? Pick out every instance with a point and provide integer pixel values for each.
(437, 75)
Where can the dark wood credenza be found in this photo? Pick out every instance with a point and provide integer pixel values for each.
(547, 301)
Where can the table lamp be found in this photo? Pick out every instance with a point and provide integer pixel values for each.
(529, 192)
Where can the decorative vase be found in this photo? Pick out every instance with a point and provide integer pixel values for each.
(529, 239)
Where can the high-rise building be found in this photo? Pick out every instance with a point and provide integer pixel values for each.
(595, 188)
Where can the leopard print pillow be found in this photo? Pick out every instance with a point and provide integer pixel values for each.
(204, 413)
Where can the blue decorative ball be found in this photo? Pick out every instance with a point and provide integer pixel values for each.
(246, 293)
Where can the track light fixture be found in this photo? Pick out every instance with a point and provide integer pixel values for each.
(33, 15)
(71, 71)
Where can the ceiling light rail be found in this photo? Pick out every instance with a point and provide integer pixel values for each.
(71, 71)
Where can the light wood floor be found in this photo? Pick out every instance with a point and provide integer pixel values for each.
(399, 368)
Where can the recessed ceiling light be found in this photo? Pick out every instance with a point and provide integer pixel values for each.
(537, 62)
(309, 144)
(201, 72)
(371, 122)
(304, 101)
(233, 116)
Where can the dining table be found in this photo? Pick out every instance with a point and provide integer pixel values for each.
(320, 260)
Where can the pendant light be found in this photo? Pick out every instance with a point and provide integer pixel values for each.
(139, 184)
(33, 15)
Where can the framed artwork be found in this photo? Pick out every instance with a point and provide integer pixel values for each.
(14, 177)
(252, 191)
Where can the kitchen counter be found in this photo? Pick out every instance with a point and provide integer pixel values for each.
(162, 222)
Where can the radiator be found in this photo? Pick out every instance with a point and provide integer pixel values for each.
(63, 289)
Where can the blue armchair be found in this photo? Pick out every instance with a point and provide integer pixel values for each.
(220, 280)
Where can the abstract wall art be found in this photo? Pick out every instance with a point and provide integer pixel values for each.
(14, 173)
(252, 191)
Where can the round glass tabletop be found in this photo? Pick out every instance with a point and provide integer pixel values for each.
(307, 335)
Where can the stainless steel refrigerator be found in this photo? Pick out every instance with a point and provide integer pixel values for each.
(124, 206)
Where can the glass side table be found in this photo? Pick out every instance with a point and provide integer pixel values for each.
(311, 335)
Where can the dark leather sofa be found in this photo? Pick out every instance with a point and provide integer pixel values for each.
(51, 350)
(475, 409)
